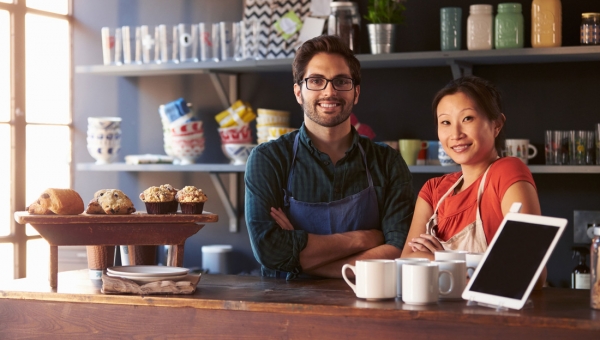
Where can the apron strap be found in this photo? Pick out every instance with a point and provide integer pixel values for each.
(287, 193)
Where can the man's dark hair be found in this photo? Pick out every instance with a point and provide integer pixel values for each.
(324, 44)
(484, 94)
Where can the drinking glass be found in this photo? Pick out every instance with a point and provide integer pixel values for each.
(209, 41)
(227, 43)
(126, 37)
(188, 42)
(169, 46)
(577, 147)
(111, 46)
(590, 148)
(597, 143)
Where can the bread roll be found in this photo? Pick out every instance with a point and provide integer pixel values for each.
(57, 201)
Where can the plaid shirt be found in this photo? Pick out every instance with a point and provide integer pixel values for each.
(316, 179)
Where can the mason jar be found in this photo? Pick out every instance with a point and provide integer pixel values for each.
(590, 29)
(344, 21)
(509, 27)
(479, 27)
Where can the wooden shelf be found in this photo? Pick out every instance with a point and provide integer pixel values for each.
(367, 61)
(228, 168)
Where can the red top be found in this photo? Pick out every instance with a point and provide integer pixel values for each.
(457, 211)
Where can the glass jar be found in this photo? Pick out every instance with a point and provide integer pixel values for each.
(450, 28)
(479, 27)
(546, 23)
(595, 269)
(590, 29)
(344, 21)
(509, 26)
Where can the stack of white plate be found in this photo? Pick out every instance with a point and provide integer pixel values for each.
(145, 274)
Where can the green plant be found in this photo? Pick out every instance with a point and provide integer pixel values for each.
(385, 11)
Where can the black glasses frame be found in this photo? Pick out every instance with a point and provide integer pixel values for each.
(327, 81)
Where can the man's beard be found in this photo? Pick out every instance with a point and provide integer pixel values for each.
(328, 120)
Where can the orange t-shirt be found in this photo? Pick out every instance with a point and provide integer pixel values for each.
(457, 211)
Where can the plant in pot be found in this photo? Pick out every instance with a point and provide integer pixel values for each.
(384, 15)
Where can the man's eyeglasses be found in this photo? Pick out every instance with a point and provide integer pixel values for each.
(338, 83)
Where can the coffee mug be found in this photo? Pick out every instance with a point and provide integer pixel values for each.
(473, 260)
(520, 148)
(420, 282)
(443, 157)
(458, 268)
(432, 152)
(399, 263)
(409, 149)
(448, 255)
(375, 279)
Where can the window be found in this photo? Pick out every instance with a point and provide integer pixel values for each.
(35, 123)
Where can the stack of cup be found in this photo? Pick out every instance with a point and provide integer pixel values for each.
(104, 138)
(271, 124)
(183, 133)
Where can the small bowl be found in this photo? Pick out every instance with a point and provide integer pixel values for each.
(187, 129)
(104, 122)
(236, 134)
(102, 153)
(238, 153)
(278, 131)
(188, 149)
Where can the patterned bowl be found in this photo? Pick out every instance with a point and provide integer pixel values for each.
(238, 153)
(187, 149)
(236, 135)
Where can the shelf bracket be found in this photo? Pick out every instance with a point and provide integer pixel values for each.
(230, 198)
(227, 97)
(460, 69)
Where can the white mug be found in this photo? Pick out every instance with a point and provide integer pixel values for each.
(420, 282)
(399, 263)
(458, 268)
(473, 260)
(520, 148)
(375, 279)
(445, 255)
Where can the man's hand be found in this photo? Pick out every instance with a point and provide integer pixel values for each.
(281, 219)
(425, 243)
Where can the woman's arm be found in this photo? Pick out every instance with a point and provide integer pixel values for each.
(416, 244)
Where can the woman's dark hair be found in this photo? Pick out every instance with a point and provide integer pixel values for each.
(324, 44)
(484, 94)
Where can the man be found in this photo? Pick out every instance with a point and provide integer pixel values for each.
(324, 196)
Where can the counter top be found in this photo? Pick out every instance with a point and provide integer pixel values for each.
(265, 307)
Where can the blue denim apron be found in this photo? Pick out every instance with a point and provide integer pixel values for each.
(356, 212)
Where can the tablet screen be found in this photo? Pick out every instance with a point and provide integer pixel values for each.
(511, 264)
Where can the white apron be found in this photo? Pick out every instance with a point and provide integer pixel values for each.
(472, 237)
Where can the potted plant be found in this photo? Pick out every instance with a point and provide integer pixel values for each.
(384, 15)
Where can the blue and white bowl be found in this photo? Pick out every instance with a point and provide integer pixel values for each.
(238, 153)
(106, 123)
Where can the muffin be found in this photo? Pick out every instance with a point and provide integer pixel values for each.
(191, 200)
(160, 200)
(110, 202)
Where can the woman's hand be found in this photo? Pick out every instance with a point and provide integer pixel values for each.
(426, 243)
(281, 219)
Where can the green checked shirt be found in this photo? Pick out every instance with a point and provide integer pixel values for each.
(316, 179)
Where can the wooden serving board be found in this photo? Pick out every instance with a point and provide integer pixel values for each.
(24, 217)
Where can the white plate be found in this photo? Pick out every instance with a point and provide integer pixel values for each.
(147, 271)
(149, 278)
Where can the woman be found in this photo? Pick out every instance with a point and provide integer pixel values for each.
(463, 210)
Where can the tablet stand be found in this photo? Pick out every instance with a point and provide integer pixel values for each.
(500, 307)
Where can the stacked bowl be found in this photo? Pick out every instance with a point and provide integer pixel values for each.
(187, 142)
(104, 138)
(271, 119)
(236, 142)
(183, 134)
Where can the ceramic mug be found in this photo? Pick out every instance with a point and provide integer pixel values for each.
(409, 149)
(448, 255)
(443, 157)
(433, 152)
(399, 263)
(458, 268)
(420, 283)
(375, 279)
(473, 260)
(520, 148)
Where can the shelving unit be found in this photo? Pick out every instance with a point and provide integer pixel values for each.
(461, 63)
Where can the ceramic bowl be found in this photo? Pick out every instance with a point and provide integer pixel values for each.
(187, 149)
(278, 131)
(187, 129)
(104, 153)
(272, 121)
(236, 135)
(103, 136)
(104, 122)
(238, 153)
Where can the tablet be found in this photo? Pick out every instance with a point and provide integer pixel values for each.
(514, 260)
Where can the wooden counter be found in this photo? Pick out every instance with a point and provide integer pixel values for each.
(252, 307)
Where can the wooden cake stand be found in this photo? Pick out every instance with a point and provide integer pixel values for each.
(136, 229)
